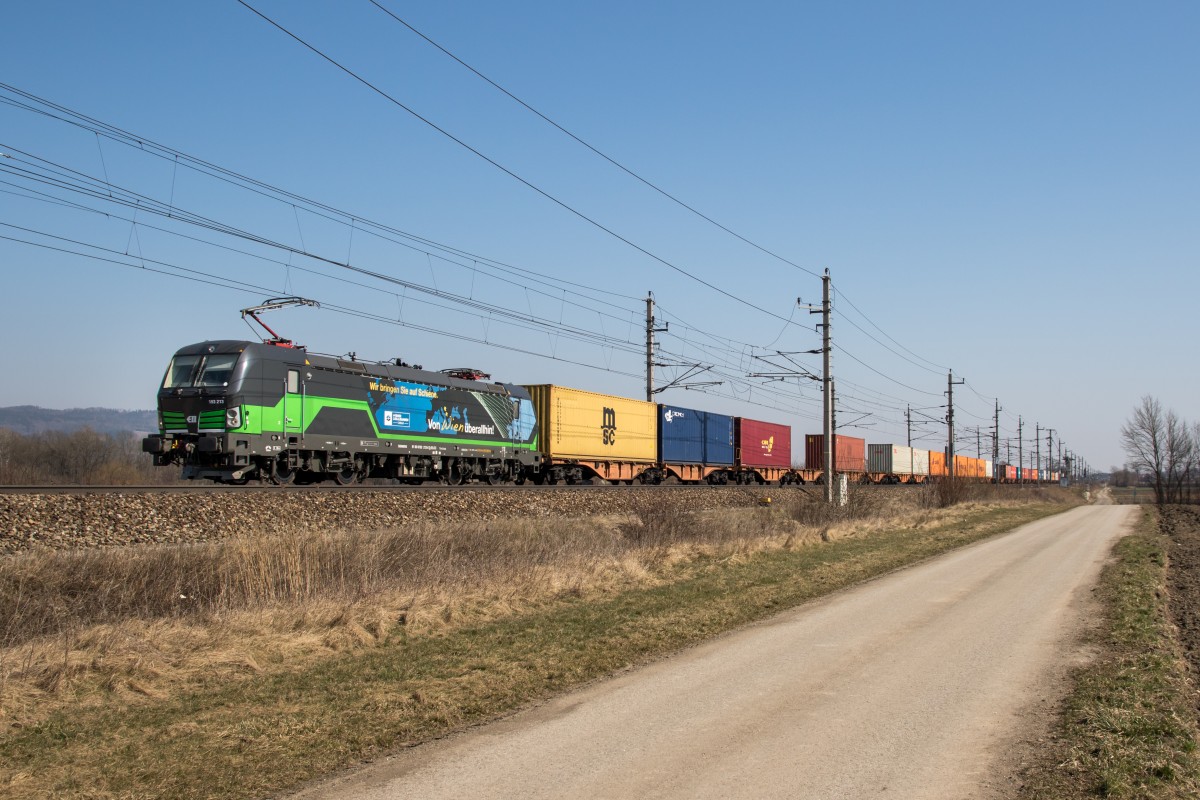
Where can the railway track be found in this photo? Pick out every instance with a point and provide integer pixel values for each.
(321, 489)
(75, 517)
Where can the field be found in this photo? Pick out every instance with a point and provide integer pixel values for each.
(1131, 494)
(240, 666)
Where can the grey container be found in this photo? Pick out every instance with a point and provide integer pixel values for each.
(890, 459)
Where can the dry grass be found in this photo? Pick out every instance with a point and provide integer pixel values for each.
(247, 691)
(141, 624)
(137, 625)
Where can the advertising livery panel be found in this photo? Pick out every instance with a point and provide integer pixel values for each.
(433, 411)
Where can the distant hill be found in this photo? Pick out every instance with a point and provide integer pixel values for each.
(28, 420)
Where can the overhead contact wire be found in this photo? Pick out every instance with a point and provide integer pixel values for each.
(506, 170)
(598, 152)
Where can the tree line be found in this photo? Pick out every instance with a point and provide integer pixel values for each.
(82, 457)
(1164, 449)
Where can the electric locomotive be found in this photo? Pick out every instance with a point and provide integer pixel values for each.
(230, 411)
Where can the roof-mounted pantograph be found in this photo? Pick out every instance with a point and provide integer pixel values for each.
(271, 305)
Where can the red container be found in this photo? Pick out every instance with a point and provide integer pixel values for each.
(763, 444)
(849, 453)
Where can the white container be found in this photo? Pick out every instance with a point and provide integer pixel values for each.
(889, 459)
(920, 462)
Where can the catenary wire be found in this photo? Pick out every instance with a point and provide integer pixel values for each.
(590, 147)
(566, 206)
(650, 184)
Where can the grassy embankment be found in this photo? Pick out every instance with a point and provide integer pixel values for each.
(1129, 728)
(239, 669)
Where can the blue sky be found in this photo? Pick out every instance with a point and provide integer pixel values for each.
(1008, 190)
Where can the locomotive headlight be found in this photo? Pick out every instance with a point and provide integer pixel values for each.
(233, 417)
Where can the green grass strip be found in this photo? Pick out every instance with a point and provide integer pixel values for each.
(1129, 729)
(264, 734)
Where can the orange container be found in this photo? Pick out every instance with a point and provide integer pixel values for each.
(937, 463)
(968, 467)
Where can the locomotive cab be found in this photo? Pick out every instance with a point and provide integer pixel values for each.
(199, 403)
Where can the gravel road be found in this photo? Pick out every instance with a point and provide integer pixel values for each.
(923, 684)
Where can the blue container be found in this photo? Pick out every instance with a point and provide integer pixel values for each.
(680, 435)
(718, 440)
(688, 436)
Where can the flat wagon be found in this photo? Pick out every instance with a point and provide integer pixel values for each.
(695, 446)
(764, 451)
(583, 435)
(892, 463)
(849, 454)
(937, 464)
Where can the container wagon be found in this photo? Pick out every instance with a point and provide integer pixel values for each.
(583, 435)
(694, 446)
(920, 465)
(849, 454)
(890, 463)
(937, 464)
(763, 452)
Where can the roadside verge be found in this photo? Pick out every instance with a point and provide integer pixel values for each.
(1129, 727)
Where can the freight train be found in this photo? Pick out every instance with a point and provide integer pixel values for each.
(234, 411)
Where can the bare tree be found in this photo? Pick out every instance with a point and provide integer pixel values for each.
(1192, 471)
(1160, 442)
(1143, 436)
(1181, 452)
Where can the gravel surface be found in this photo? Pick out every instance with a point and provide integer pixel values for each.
(65, 521)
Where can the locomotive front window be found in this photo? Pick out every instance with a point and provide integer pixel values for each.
(181, 372)
(218, 369)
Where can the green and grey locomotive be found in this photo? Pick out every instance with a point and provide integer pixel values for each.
(231, 411)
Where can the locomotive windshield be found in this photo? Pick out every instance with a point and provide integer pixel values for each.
(213, 370)
(181, 372)
(217, 370)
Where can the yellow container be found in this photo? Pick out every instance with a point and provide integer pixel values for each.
(574, 424)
